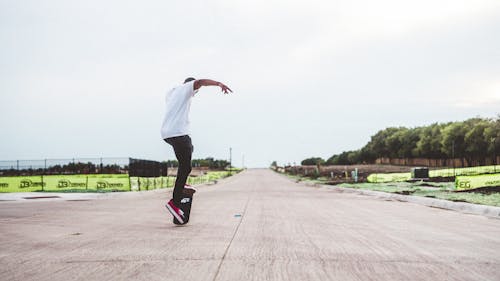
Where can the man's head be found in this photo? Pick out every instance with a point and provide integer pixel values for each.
(189, 79)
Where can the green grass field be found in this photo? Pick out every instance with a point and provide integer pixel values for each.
(444, 191)
(441, 190)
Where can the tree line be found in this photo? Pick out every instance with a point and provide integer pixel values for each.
(210, 162)
(70, 168)
(92, 168)
(475, 139)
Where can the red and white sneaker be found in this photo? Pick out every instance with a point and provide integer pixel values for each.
(175, 211)
(188, 190)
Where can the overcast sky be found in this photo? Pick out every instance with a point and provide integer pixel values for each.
(310, 78)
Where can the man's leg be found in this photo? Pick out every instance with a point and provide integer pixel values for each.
(183, 149)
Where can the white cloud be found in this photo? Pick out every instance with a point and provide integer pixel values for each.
(310, 77)
(347, 25)
(480, 94)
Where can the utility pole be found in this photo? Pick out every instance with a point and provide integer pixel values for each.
(230, 159)
(453, 155)
(494, 155)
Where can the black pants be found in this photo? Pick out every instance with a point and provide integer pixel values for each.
(183, 149)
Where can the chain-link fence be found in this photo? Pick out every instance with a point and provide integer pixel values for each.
(94, 174)
(68, 166)
(468, 171)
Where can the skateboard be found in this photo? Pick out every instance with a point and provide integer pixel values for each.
(185, 206)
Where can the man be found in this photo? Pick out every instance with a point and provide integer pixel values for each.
(175, 131)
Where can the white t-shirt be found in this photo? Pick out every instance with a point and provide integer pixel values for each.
(178, 103)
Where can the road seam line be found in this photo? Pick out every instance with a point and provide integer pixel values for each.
(231, 242)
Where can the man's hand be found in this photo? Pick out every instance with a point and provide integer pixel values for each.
(207, 82)
(225, 89)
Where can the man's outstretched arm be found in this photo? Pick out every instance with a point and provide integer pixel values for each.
(207, 82)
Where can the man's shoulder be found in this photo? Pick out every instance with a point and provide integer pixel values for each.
(183, 88)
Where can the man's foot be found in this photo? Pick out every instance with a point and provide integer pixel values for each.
(188, 190)
(175, 211)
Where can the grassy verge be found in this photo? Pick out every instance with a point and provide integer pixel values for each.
(442, 190)
(433, 190)
(169, 181)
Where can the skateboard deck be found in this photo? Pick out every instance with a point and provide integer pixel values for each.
(185, 206)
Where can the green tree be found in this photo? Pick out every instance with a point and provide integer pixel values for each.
(378, 144)
(366, 156)
(453, 141)
(476, 145)
(344, 158)
(429, 143)
(472, 139)
(354, 157)
(492, 137)
(313, 161)
(171, 163)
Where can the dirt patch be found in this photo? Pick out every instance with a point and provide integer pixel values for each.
(41, 197)
(458, 200)
(404, 192)
(484, 190)
(443, 179)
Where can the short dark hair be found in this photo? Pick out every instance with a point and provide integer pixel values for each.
(189, 79)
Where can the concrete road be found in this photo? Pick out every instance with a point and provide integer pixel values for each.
(257, 225)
